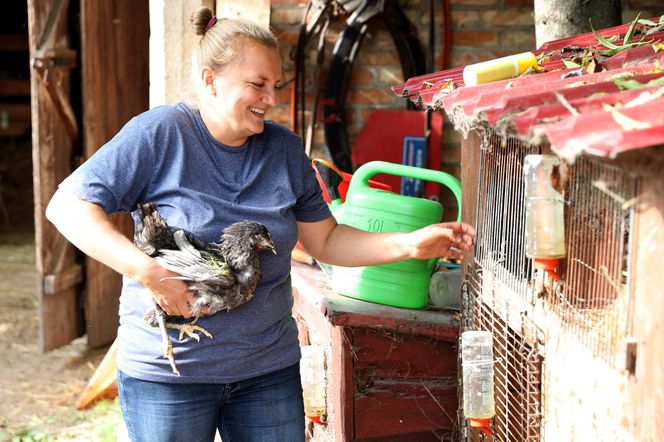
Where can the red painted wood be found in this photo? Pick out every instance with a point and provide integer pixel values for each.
(349, 312)
(403, 356)
(390, 407)
(391, 373)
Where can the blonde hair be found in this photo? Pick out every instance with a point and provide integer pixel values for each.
(223, 39)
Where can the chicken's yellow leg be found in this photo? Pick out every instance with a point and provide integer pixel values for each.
(190, 329)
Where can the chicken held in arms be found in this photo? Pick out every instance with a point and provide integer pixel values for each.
(220, 275)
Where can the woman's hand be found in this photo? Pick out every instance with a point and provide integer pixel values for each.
(172, 295)
(441, 240)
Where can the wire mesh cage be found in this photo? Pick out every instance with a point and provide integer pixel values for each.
(523, 307)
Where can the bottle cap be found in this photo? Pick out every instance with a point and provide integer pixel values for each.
(482, 424)
(316, 419)
(548, 265)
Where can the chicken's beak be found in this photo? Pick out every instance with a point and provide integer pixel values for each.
(267, 244)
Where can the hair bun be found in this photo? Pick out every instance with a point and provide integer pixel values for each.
(202, 19)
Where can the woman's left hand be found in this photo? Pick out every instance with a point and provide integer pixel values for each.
(448, 240)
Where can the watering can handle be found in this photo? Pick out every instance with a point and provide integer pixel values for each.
(366, 171)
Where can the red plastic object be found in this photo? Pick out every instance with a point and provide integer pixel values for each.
(548, 265)
(482, 424)
(382, 139)
(343, 187)
(316, 419)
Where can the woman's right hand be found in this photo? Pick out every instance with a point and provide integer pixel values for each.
(172, 295)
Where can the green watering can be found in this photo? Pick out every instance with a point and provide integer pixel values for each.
(400, 284)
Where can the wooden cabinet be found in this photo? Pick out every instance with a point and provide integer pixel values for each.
(391, 373)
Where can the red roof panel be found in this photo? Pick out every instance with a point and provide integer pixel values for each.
(575, 111)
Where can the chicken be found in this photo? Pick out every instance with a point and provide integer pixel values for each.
(221, 275)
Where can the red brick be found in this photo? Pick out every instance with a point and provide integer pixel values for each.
(511, 18)
(391, 76)
(283, 95)
(361, 76)
(518, 39)
(466, 57)
(519, 3)
(462, 19)
(371, 96)
(280, 114)
(474, 38)
(286, 16)
(375, 58)
(287, 39)
(475, 2)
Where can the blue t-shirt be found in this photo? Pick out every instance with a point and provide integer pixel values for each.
(166, 155)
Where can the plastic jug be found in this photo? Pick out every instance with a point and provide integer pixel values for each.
(401, 284)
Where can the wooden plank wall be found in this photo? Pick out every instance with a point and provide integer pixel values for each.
(114, 87)
(115, 40)
(52, 152)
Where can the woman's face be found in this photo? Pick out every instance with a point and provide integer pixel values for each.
(243, 93)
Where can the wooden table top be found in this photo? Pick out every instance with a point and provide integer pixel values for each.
(312, 286)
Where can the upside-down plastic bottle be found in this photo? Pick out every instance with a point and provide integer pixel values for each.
(477, 367)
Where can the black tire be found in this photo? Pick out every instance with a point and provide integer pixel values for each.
(412, 60)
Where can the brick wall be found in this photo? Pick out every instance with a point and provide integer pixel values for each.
(481, 30)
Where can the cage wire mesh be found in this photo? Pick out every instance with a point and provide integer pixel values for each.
(499, 293)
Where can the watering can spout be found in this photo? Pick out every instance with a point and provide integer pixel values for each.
(401, 284)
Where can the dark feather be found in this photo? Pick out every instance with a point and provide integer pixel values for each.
(221, 275)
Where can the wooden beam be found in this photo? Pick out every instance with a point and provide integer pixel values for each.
(71, 277)
(52, 149)
(114, 69)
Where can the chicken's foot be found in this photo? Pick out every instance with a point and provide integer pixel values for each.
(166, 342)
(189, 329)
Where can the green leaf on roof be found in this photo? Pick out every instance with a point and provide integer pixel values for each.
(630, 85)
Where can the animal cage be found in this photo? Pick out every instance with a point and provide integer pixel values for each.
(566, 365)
(502, 291)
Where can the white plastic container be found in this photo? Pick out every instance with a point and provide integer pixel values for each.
(445, 289)
(545, 225)
(312, 372)
(498, 69)
(477, 367)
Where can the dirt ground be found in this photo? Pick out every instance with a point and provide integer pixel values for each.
(38, 391)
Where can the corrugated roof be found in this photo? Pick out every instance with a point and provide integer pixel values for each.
(599, 113)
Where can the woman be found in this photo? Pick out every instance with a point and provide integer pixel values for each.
(206, 168)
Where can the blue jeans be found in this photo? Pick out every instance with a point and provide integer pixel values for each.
(266, 408)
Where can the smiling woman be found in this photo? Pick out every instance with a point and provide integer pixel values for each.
(206, 167)
(237, 67)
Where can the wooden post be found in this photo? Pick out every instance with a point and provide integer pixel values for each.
(54, 135)
(114, 71)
